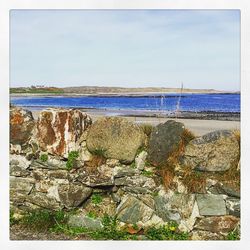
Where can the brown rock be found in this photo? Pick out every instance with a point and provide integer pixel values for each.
(115, 138)
(220, 224)
(21, 125)
(59, 129)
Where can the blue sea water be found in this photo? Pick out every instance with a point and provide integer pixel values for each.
(166, 102)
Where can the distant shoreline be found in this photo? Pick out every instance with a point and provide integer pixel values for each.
(107, 95)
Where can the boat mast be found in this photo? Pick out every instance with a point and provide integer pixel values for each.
(177, 112)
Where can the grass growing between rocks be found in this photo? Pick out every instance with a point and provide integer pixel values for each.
(44, 157)
(73, 155)
(56, 222)
(95, 162)
(167, 170)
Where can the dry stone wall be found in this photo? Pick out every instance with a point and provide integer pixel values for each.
(126, 184)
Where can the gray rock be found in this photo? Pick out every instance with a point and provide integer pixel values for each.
(23, 185)
(116, 198)
(140, 160)
(132, 210)
(84, 221)
(215, 151)
(205, 235)
(116, 138)
(233, 206)
(164, 139)
(210, 204)
(136, 181)
(162, 209)
(73, 195)
(123, 171)
(18, 171)
(136, 190)
(19, 161)
(42, 200)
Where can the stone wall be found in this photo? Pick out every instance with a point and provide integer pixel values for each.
(120, 177)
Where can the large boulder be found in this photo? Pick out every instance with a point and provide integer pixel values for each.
(21, 125)
(164, 139)
(115, 138)
(215, 151)
(59, 129)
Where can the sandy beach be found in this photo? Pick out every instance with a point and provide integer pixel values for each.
(197, 126)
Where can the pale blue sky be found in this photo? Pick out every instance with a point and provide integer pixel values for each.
(128, 48)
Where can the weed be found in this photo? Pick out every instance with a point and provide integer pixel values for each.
(147, 173)
(166, 232)
(13, 220)
(132, 165)
(43, 219)
(99, 152)
(233, 235)
(92, 214)
(44, 157)
(187, 136)
(96, 199)
(73, 155)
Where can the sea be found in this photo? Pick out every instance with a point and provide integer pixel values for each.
(152, 102)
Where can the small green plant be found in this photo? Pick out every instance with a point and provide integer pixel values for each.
(44, 157)
(147, 173)
(43, 219)
(99, 152)
(96, 199)
(13, 220)
(132, 165)
(73, 155)
(92, 214)
(166, 232)
(233, 235)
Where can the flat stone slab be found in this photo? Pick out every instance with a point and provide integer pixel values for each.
(210, 204)
(84, 221)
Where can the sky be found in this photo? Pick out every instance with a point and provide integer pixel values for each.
(125, 48)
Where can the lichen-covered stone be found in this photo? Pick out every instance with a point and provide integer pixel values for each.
(215, 151)
(42, 200)
(164, 139)
(116, 138)
(210, 204)
(140, 160)
(132, 210)
(217, 224)
(84, 221)
(21, 125)
(233, 206)
(73, 195)
(59, 129)
(23, 185)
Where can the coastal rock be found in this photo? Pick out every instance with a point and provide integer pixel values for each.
(115, 138)
(43, 200)
(233, 206)
(84, 221)
(73, 195)
(205, 235)
(215, 151)
(164, 139)
(217, 224)
(140, 160)
(59, 129)
(21, 126)
(132, 210)
(210, 204)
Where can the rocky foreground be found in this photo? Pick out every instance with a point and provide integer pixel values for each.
(144, 177)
